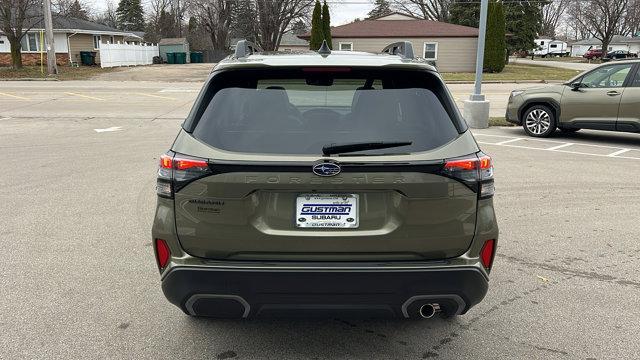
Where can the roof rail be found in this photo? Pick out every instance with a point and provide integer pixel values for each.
(245, 48)
(403, 48)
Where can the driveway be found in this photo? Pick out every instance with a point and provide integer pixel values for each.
(556, 64)
(164, 72)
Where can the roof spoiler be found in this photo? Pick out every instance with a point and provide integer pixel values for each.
(404, 49)
(245, 48)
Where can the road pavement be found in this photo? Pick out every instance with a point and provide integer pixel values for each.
(556, 64)
(79, 278)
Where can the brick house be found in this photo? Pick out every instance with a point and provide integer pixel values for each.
(70, 37)
(451, 47)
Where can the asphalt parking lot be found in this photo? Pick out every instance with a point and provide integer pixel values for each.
(79, 280)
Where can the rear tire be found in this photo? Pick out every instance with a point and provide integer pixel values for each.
(539, 121)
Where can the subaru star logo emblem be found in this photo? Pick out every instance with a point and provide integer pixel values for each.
(326, 169)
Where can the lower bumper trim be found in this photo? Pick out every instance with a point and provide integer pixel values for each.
(254, 293)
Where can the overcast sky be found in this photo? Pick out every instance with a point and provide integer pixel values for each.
(340, 13)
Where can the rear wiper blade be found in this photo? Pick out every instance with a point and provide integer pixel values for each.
(353, 147)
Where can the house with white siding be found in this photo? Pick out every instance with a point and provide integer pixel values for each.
(70, 37)
(618, 42)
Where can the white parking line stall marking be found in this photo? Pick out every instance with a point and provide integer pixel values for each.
(155, 96)
(560, 151)
(616, 153)
(509, 141)
(560, 146)
(179, 90)
(85, 96)
(113, 128)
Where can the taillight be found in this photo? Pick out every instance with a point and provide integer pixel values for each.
(487, 253)
(476, 171)
(162, 253)
(176, 171)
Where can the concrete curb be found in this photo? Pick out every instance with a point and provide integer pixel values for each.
(506, 82)
(29, 79)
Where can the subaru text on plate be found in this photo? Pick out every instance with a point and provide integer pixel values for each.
(324, 182)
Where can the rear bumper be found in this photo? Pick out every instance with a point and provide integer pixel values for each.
(243, 292)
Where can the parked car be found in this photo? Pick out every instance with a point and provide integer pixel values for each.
(605, 98)
(324, 181)
(620, 54)
(593, 54)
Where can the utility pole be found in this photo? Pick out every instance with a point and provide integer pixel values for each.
(476, 109)
(52, 66)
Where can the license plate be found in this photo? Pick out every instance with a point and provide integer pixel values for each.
(327, 211)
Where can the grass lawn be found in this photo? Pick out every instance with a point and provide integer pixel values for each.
(558, 58)
(516, 73)
(65, 72)
(499, 121)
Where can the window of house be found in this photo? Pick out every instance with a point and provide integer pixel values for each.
(553, 46)
(346, 46)
(541, 42)
(111, 40)
(431, 51)
(30, 42)
(96, 41)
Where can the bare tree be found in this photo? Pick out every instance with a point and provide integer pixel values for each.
(14, 16)
(575, 20)
(72, 8)
(215, 16)
(274, 18)
(426, 9)
(631, 23)
(109, 16)
(604, 18)
(552, 13)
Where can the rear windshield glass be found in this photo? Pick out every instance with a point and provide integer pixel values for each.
(301, 110)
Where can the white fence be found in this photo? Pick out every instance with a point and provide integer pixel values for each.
(112, 55)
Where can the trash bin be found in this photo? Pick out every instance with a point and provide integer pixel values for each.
(196, 57)
(171, 58)
(181, 58)
(88, 58)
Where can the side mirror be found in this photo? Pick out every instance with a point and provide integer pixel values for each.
(575, 86)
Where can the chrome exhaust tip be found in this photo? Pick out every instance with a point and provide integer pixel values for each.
(427, 311)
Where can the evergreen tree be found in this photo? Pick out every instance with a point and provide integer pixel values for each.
(317, 34)
(167, 25)
(381, 8)
(326, 25)
(524, 22)
(299, 28)
(77, 11)
(244, 25)
(495, 45)
(465, 12)
(130, 15)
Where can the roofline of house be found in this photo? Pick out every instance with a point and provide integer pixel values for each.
(394, 13)
(83, 31)
(304, 37)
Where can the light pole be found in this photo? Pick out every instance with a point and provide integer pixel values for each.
(476, 109)
(52, 66)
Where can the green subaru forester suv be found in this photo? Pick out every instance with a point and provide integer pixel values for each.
(324, 182)
(605, 98)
